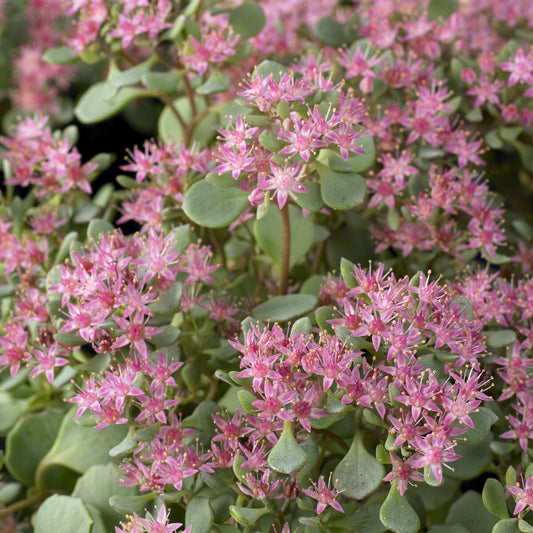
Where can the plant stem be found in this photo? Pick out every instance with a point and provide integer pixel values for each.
(286, 250)
(168, 101)
(22, 504)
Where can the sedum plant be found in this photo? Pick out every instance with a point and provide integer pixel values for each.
(302, 303)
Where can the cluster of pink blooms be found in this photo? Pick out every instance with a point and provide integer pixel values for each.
(107, 291)
(38, 85)
(127, 21)
(217, 43)
(297, 134)
(163, 170)
(151, 524)
(38, 157)
(509, 304)
(523, 496)
(291, 376)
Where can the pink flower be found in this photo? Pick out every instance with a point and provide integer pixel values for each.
(284, 181)
(404, 472)
(324, 495)
(523, 496)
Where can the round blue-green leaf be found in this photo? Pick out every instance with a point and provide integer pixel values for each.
(507, 525)
(287, 456)
(78, 447)
(494, 498)
(247, 20)
(247, 516)
(483, 420)
(474, 459)
(169, 301)
(285, 307)
(267, 67)
(500, 338)
(96, 486)
(214, 207)
(524, 526)
(269, 234)
(359, 473)
(329, 31)
(311, 200)
(397, 514)
(162, 82)
(102, 101)
(340, 190)
(63, 514)
(130, 504)
(61, 55)
(131, 76)
(199, 515)
(167, 337)
(218, 82)
(365, 520)
(446, 528)
(302, 325)
(441, 9)
(28, 442)
(470, 512)
(97, 227)
(169, 128)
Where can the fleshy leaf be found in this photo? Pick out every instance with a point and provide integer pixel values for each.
(329, 31)
(63, 514)
(483, 420)
(470, 512)
(218, 82)
(359, 473)
(247, 20)
(340, 190)
(101, 101)
(214, 207)
(302, 325)
(287, 455)
(507, 525)
(61, 55)
(285, 307)
(474, 459)
(441, 9)
(131, 76)
(500, 338)
(169, 128)
(269, 234)
(78, 447)
(97, 227)
(130, 504)
(99, 484)
(199, 515)
(494, 498)
(28, 442)
(162, 82)
(247, 516)
(397, 514)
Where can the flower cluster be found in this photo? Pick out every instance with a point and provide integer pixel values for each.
(37, 157)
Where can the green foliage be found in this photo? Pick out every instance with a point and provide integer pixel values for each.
(214, 207)
(103, 100)
(359, 473)
(340, 190)
(285, 307)
(269, 235)
(287, 456)
(65, 514)
(397, 514)
(494, 498)
(247, 20)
